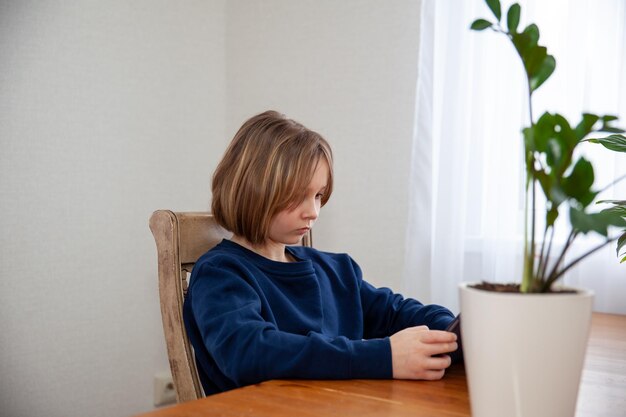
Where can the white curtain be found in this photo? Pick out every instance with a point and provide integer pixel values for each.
(466, 212)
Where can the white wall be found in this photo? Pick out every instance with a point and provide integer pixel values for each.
(110, 110)
(347, 69)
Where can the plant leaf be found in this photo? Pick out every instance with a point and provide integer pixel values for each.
(553, 135)
(618, 210)
(578, 184)
(532, 31)
(534, 59)
(617, 202)
(525, 41)
(545, 71)
(615, 143)
(554, 152)
(557, 196)
(537, 136)
(611, 129)
(621, 243)
(539, 65)
(566, 132)
(529, 138)
(480, 24)
(606, 120)
(613, 217)
(494, 5)
(586, 125)
(597, 222)
(583, 222)
(551, 216)
(512, 17)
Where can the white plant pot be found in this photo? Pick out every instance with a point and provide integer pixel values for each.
(524, 353)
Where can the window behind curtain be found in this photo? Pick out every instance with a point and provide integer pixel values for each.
(468, 148)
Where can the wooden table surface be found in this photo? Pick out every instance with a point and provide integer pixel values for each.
(602, 390)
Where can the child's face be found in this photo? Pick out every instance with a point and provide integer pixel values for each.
(289, 225)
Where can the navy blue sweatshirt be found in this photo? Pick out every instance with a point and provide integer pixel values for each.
(251, 319)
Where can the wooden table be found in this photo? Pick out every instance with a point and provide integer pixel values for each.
(602, 391)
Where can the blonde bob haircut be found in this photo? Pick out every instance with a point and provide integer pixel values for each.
(266, 169)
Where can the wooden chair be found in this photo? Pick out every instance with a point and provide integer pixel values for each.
(181, 238)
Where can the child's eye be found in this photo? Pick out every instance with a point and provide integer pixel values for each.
(319, 196)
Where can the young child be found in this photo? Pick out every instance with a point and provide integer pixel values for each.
(259, 309)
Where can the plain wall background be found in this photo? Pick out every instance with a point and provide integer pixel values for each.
(110, 110)
(347, 69)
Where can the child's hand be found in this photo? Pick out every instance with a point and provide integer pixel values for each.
(413, 353)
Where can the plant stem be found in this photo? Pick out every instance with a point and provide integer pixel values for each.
(549, 283)
(532, 230)
(570, 239)
(526, 274)
(530, 159)
(542, 275)
(542, 259)
(530, 100)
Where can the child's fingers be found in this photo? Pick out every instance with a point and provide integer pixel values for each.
(437, 363)
(432, 349)
(438, 336)
(432, 375)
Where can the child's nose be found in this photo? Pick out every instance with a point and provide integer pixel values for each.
(310, 210)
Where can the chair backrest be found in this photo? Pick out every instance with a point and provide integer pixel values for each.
(181, 238)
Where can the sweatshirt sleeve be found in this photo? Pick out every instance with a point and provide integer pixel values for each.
(248, 348)
(385, 312)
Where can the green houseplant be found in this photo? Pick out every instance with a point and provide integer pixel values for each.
(551, 167)
(524, 344)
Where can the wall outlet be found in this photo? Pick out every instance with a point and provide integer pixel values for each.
(164, 392)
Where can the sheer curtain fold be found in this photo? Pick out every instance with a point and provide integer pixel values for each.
(466, 219)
